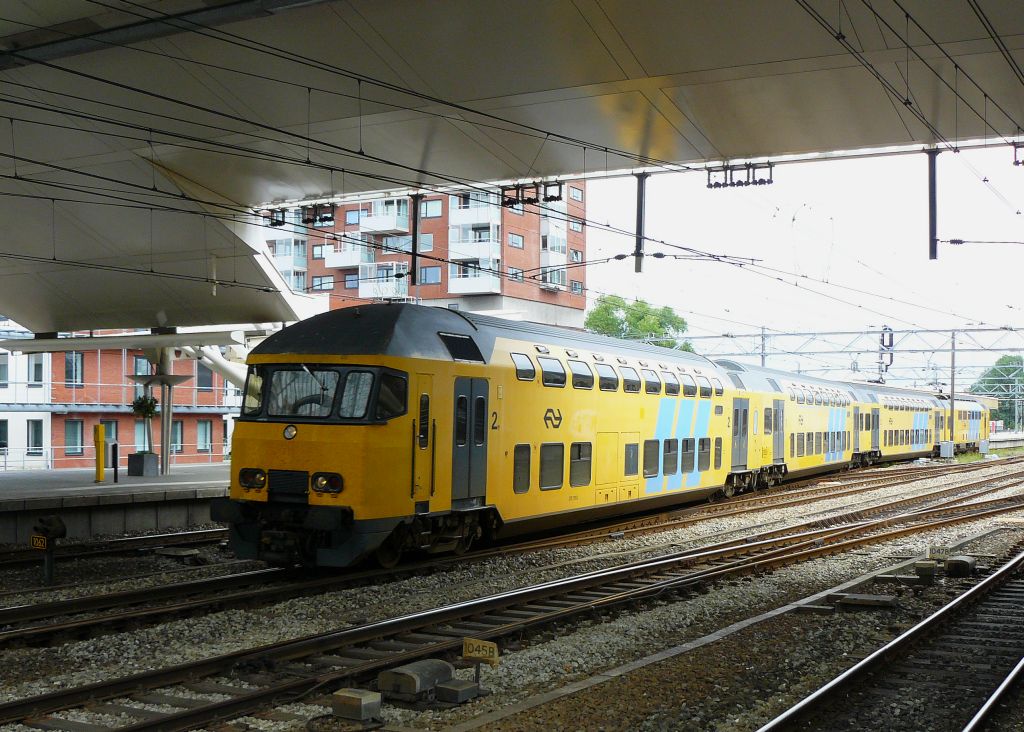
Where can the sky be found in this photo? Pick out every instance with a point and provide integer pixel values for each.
(846, 242)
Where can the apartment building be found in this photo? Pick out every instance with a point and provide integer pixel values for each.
(481, 252)
(50, 402)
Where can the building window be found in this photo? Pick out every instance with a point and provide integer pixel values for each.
(177, 434)
(515, 274)
(426, 242)
(3, 437)
(515, 240)
(575, 193)
(140, 367)
(430, 209)
(3, 370)
(35, 369)
(318, 251)
(109, 430)
(577, 287)
(73, 443)
(575, 225)
(516, 208)
(353, 216)
(430, 275)
(323, 282)
(351, 280)
(35, 437)
(204, 377)
(204, 435)
(141, 443)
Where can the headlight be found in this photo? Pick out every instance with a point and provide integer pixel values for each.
(327, 483)
(252, 478)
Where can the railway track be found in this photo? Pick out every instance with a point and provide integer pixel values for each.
(968, 654)
(12, 558)
(242, 682)
(61, 621)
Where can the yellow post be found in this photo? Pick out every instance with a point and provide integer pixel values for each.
(99, 441)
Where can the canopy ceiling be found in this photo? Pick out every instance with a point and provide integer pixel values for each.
(125, 120)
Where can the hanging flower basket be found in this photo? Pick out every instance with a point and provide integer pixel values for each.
(144, 407)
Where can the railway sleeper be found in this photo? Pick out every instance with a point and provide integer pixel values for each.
(169, 700)
(125, 709)
(67, 725)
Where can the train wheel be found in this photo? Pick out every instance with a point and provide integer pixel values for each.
(389, 553)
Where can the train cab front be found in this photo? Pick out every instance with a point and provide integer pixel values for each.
(303, 450)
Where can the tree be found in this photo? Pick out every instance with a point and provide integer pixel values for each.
(637, 320)
(1005, 380)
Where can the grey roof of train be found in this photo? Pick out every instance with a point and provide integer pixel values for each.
(402, 329)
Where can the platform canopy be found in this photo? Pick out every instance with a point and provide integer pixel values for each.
(138, 136)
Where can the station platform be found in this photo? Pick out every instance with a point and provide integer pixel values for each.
(133, 504)
(1001, 440)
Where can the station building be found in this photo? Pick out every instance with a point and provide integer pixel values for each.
(50, 402)
(518, 261)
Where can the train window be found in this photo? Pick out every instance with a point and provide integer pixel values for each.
(461, 421)
(608, 380)
(686, 455)
(479, 420)
(424, 431)
(817, 397)
(767, 420)
(651, 458)
(689, 385)
(906, 437)
(652, 384)
(736, 381)
(703, 453)
(253, 391)
(582, 376)
(719, 389)
(524, 367)
(799, 396)
(777, 420)
(670, 457)
(775, 384)
(391, 396)
(718, 453)
(792, 394)
(630, 380)
(718, 409)
(800, 445)
(631, 459)
(671, 383)
(306, 393)
(552, 371)
(817, 443)
(579, 463)
(552, 465)
(792, 445)
(461, 347)
(521, 469)
(356, 395)
(705, 387)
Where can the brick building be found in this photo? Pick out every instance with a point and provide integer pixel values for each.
(521, 261)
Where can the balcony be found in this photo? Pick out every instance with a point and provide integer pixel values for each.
(551, 258)
(385, 220)
(381, 281)
(476, 212)
(348, 255)
(290, 261)
(478, 283)
(488, 248)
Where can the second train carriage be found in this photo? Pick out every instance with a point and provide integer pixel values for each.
(387, 428)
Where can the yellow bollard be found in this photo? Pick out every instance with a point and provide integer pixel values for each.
(99, 441)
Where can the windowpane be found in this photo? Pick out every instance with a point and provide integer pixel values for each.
(670, 457)
(391, 396)
(689, 385)
(521, 469)
(461, 421)
(651, 457)
(524, 367)
(630, 380)
(632, 459)
(204, 435)
(767, 420)
(579, 463)
(479, 421)
(253, 391)
(652, 384)
(718, 453)
(35, 436)
(552, 462)
(177, 436)
(302, 393)
(705, 387)
(3, 370)
(73, 437)
(356, 396)
(686, 452)
(552, 371)
(671, 383)
(718, 387)
(582, 377)
(424, 432)
(704, 453)
(74, 368)
(608, 379)
(800, 445)
(3, 437)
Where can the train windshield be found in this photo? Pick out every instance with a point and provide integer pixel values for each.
(320, 391)
(301, 393)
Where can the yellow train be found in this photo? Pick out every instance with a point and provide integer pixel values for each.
(383, 429)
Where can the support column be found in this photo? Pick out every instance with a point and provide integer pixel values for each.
(415, 250)
(638, 251)
(933, 236)
(952, 392)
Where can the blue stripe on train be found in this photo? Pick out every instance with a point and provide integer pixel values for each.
(684, 430)
(700, 430)
(662, 431)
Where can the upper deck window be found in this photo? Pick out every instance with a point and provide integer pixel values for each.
(630, 379)
(652, 384)
(671, 383)
(524, 367)
(608, 380)
(705, 387)
(552, 371)
(582, 376)
(689, 385)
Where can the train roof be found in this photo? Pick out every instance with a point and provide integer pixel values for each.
(418, 331)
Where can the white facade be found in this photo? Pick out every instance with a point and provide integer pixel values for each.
(24, 406)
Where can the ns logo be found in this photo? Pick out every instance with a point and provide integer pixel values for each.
(553, 418)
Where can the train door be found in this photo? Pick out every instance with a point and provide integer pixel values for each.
(856, 429)
(424, 447)
(874, 429)
(469, 443)
(740, 417)
(778, 435)
(939, 436)
(630, 468)
(608, 468)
